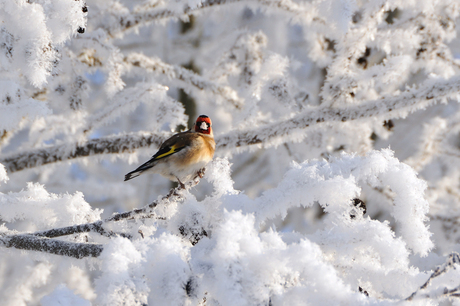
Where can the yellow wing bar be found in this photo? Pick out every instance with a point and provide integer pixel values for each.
(172, 150)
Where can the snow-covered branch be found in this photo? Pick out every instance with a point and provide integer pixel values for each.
(316, 88)
(107, 145)
(127, 101)
(95, 227)
(186, 76)
(452, 262)
(145, 14)
(385, 108)
(40, 241)
(57, 247)
(438, 139)
(340, 81)
(268, 135)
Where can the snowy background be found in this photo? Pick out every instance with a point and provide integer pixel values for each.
(336, 174)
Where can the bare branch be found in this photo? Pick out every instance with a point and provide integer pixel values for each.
(57, 247)
(184, 75)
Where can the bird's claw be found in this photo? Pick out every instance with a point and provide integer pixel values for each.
(182, 185)
(201, 172)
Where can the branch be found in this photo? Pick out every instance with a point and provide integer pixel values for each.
(174, 195)
(184, 75)
(105, 145)
(40, 241)
(434, 141)
(74, 229)
(127, 101)
(269, 135)
(340, 83)
(454, 259)
(385, 108)
(57, 247)
(146, 14)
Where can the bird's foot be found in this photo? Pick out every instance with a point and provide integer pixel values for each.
(200, 172)
(182, 185)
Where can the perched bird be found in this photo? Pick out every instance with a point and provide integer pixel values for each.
(183, 155)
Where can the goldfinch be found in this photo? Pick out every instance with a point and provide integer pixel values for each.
(183, 155)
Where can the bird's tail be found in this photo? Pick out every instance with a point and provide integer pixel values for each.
(132, 174)
(139, 170)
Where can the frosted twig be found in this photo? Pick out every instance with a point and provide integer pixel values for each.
(434, 141)
(127, 101)
(434, 134)
(57, 247)
(96, 227)
(106, 145)
(246, 54)
(174, 195)
(145, 15)
(267, 135)
(454, 259)
(385, 108)
(184, 75)
(40, 241)
(340, 84)
(343, 81)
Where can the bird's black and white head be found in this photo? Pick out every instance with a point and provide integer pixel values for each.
(203, 125)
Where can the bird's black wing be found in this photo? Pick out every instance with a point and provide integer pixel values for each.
(173, 145)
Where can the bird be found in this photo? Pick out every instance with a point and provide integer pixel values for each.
(183, 155)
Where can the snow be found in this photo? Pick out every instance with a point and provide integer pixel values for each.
(116, 284)
(317, 106)
(46, 209)
(15, 106)
(239, 264)
(63, 296)
(3, 175)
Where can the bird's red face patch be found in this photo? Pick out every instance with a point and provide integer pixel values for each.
(203, 124)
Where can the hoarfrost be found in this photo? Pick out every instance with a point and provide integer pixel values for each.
(302, 203)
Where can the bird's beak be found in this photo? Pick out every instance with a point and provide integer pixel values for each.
(204, 126)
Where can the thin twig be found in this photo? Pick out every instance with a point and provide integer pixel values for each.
(145, 16)
(452, 261)
(184, 75)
